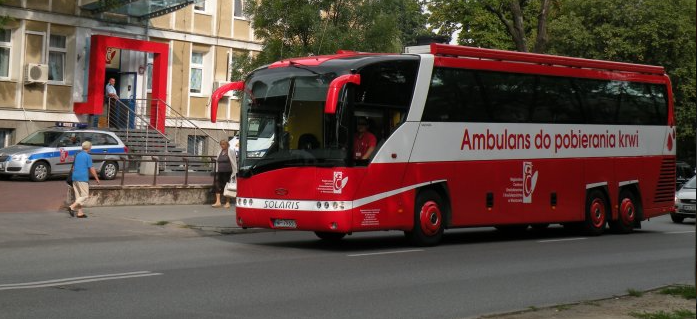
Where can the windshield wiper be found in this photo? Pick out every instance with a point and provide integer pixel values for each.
(303, 67)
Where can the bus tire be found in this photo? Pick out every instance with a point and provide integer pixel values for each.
(40, 171)
(109, 170)
(428, 219)
(596, 213)
(627, 214)
(329, 236)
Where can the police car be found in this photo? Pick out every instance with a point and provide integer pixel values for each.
(51, 151)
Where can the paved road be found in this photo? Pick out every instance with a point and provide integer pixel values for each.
(22, 195)
(116, 268)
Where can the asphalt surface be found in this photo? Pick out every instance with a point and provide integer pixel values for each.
(119, 263)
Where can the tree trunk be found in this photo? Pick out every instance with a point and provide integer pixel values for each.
(541, 41)
(518, 29)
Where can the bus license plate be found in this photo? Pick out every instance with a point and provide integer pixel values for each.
(689, 208)
(284, 223)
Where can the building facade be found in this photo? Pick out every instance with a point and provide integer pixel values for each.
(46, 48)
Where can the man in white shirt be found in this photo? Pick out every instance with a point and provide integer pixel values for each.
(110, 97)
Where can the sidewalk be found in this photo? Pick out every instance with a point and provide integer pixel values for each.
(31, 227)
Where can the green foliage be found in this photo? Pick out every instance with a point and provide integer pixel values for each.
(635, 293)
(293, 28)
(687, 292)
(653, 32)
(677, 314)
(481, 27)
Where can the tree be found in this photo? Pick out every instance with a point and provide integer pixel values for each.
(291, 28)
(653, 32)
(501, 24)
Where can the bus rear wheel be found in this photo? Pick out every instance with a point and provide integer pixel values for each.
(627, 214)
(328, 236)
(596, 213)
(428, 219)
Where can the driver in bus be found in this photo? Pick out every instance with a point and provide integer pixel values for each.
(364, 142)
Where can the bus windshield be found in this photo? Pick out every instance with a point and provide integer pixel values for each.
(283, 121)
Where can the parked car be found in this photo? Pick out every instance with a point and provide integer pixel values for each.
(683, 172)
(51, 151)
(685, 202)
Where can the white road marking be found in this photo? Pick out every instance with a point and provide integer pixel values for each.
(77, 280)
(680, 232)
(386, 253)
(557, 240)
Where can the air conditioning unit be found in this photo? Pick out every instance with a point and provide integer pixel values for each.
(218, 84)
(36, 73)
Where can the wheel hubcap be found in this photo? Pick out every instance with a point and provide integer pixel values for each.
(598, 213)
(40, 172)
(627, 211)
(430, 218)
(110, 170)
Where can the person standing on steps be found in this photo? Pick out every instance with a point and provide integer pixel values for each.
(82, 167)
(226, 168)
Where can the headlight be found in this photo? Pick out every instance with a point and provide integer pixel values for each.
(19, 157)
(677, 200)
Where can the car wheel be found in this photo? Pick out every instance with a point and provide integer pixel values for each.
(596, 213)
(428, 219)
(677, 219)
(39, 171)
(4, 177)
(109, 170)
(328, 236)
(627, 214)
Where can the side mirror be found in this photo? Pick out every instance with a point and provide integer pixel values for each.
(335, 88)
(218, 94)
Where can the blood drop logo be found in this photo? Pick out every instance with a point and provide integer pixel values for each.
(529, 182)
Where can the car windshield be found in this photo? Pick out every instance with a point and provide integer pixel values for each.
(691, 183)
(41, 138)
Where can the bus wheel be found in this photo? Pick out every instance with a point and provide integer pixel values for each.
(596, 214)
(328, 236)
(428, 219)
(627, 214)
(39, 171)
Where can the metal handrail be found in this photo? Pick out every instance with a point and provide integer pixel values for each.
(126, 159)
(178, 115)
(142, 121)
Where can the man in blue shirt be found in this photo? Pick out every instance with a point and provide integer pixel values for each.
(81, 166)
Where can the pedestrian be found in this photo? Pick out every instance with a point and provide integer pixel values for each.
(82, 167)
(110, 97)
(226, 168)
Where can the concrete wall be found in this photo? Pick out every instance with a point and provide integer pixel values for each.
(103, 195)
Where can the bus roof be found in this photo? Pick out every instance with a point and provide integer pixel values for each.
(544, 59)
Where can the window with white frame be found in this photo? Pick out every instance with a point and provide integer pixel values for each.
(196, 72)
(5, 49)
(200, 6)
(56, 58)
(238, 9)
(195, 144)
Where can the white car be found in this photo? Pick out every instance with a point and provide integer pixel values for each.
(51, 152)
(685, 202)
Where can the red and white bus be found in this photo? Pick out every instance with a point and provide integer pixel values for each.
(466, 137)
